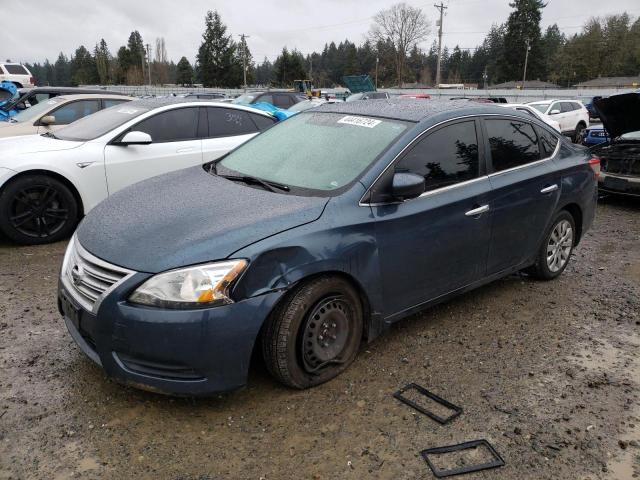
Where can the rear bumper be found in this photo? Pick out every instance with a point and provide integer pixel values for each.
(619, 184)
(177, 352)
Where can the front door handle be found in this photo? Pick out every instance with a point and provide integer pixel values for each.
(477, 211)
(550, 188)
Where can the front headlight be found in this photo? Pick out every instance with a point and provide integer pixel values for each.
(198, 286)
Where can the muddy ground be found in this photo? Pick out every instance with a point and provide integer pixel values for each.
(549, 373)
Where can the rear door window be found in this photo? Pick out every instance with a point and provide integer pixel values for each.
(548, 142)
(262, 121)
(265, 98)
(513, 143)
(175, 125)
(75, 110)
(228, 122)
(110, 102)
(568, 107)
(282, 101)
(445, 157)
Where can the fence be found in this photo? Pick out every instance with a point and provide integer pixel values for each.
(512, 95)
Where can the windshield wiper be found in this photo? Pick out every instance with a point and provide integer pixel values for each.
(50, 135)
(266, 184)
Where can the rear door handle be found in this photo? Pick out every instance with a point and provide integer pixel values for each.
(549, 189)
(185, 150)
(477, 211)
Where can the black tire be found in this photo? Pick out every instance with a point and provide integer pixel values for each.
(37, 209)
(293, 333)
(578, 134)
(542, 269)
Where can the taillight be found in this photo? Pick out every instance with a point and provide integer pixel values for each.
(594, 163)
(32, 80)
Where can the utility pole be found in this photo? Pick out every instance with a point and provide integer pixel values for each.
(526, 59)
(244, 60)
(441, 8)
(148, 62)
(377, 60)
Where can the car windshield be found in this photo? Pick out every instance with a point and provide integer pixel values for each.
(37, 110)
(541, 107)
(246, 98)
(100, 123)
(314, 150)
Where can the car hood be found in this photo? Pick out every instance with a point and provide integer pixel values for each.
(32, 144)
(619, 113)
(188, 217)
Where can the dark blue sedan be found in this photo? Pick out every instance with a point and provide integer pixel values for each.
(315, 237)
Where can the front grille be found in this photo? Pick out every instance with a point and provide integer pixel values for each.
(89, 277)
(163, 370)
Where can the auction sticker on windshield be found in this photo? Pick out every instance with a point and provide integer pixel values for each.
(360, 121)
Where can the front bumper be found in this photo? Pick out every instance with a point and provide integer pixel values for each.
(619, 184)
(178, 352)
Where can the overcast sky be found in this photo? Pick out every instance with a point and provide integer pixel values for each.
(36, 30)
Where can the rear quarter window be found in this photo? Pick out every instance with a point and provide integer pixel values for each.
(16, 70)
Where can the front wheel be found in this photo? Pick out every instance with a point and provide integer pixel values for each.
(555, 251)
(578, 135)
(314, 334)
(37, 209)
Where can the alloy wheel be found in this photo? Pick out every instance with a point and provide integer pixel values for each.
(559, 246)
(38, 211)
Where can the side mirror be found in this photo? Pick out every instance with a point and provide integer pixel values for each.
(407, 185)
(135, 138)
(48, 120)
(555, 111)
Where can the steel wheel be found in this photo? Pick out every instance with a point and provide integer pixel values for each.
(559, 246)
(326, 333)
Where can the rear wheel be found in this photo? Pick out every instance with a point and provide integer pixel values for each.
(314, 334)
(37, 209)
(579, 133)
(555, 251)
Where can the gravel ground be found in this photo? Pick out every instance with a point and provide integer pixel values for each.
(549, 373)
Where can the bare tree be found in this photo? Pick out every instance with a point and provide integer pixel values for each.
(405, 26)
(161, 63)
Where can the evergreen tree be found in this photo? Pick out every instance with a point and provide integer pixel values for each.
(83, 67)
(184, 72)
(522, 26)
(61, 72)
(103, 62)
(264, 72)
(217, 61)
(289, 66)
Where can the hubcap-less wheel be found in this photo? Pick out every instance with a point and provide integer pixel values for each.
(559, 246)
(38, 211)
(326, 333)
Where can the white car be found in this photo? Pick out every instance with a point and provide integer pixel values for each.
(57, 112)
(17, 74)
(48, 182)
(572, 115)
(529, 110)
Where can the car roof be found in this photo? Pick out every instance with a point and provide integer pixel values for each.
(90, 96)
(70, 90)
(408, 109)
(152, 103)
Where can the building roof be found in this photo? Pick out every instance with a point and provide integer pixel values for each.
(527, 84)
(610, 82)
(407, 109)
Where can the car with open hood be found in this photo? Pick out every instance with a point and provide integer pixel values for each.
(315, 236)
(49, 181)
(620, 156)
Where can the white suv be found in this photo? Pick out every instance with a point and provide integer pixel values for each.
(572, 115)
(16, 73)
